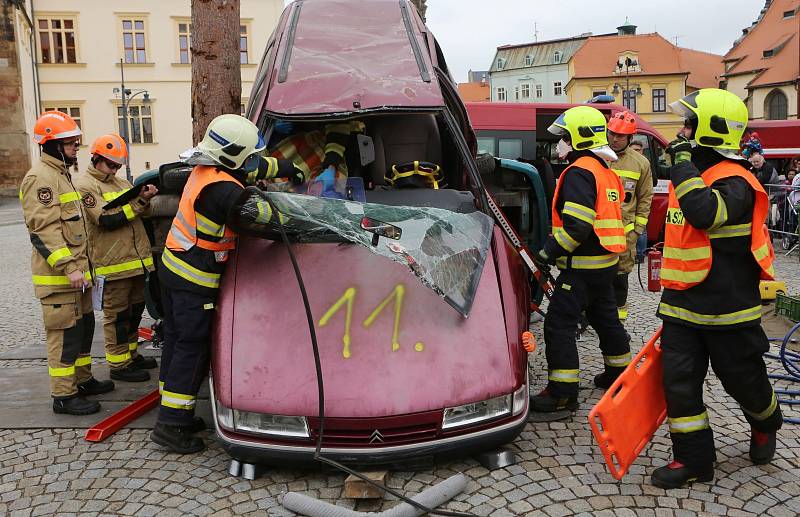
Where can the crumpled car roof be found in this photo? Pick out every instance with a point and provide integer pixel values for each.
(336, 56)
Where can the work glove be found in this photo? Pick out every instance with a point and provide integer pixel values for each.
(542, 260)
(680, 150)
(292, 173)
(331, 158)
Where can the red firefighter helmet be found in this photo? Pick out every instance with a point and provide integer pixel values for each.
(623, 123)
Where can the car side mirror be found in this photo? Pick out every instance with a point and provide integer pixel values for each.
(380, 229)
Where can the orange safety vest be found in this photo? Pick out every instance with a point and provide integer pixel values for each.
(687, 250)
(607, 221)
(183, 235)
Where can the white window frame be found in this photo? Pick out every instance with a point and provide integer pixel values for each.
(501, 63)
(140, 117)
(539, 89)
(134, 18)
(525, 90)
(501, 94)
(62, 17)
(528, 60)
(558, 88)
(557, 57)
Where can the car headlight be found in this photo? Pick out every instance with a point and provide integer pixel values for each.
(260, 423)
(476, 412)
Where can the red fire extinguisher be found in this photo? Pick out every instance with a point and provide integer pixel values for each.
(654, 270)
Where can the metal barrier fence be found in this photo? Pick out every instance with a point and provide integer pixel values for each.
(782, 219)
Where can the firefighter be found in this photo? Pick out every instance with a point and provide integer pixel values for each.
(716, 248)
(587, 237)
(60, 265)
(120, 256)
(194, 257)
(634, 171)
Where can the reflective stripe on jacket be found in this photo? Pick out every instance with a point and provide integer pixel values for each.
(54, 216)
(637, 181)
(120, 246)
(190, 228)
(606, 216)
(687, 256)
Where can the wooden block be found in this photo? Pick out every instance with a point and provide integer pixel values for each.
(357, 488)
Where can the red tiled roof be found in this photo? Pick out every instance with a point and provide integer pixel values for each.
(773, 33)
(598, 58)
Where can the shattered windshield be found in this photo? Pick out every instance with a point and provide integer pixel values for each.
(445, 250)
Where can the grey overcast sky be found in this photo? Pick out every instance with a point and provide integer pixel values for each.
(469, 31)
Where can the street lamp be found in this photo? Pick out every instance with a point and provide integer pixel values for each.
(627, 65)
(127, 95)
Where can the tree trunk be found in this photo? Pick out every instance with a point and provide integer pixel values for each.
(216, 71)
(421, 7)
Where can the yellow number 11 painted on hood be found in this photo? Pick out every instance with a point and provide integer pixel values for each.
(397, 295)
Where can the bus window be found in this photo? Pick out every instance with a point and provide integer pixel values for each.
(510, 148)
(486, 145)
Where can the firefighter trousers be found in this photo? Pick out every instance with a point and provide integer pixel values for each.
(577, 291)
(69, 326)
(185, 356)
(735, 357)
(123, 306)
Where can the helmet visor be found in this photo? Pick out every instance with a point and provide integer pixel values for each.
(682, 110)
(558, 127)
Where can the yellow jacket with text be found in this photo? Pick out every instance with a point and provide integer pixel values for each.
(120, 247)
(637, 180)
(55, 219)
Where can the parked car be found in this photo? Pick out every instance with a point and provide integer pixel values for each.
(518, 131)
(406, 376)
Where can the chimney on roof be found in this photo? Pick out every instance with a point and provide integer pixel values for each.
(626, 29)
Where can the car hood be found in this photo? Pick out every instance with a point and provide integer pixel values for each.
(263, 358)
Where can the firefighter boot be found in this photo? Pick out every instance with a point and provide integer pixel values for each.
(94, 387)
(141, 362)
(176, 438)
(197, 425)
(546, 402)
(762, 447)
(606, 379)
(130, 374)
(76, 405)
(676, 474)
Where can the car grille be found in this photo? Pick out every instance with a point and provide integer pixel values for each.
(376, 432)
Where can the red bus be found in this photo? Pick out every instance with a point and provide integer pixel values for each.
(518, 131)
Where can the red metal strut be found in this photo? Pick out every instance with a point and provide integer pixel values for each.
(124, 416)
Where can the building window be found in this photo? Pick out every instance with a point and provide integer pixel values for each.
(184, 42)
(501, 63)
(133, 41)
(557, 89)
(243, 44)
(788, 14)
(538, 91)
(557, 56)
(528, 60)
(598, 93)
(516, 93)
(776, 106)
(140, 123)
(659, 99)
(629, 99)
(57, 40)
(525, 91)
(501, 94)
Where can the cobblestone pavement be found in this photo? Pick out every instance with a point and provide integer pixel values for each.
(559, 470)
